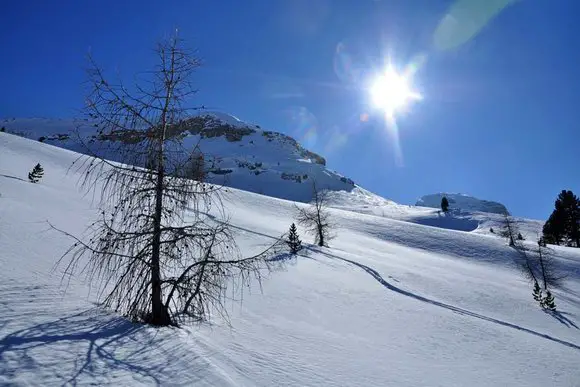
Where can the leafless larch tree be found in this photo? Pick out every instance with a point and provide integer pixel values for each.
(316, 217)
(509, 229)
(156, 253)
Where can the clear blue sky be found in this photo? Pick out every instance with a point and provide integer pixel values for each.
(499, 119)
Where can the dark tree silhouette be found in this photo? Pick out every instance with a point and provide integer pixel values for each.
(549, 302)
(444, 204)
(537, 293)
(36, 174)
(564, 222)
(293, 240)
(539, 267)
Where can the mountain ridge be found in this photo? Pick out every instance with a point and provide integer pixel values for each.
(235, 153)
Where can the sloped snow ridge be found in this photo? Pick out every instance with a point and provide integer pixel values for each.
(462, 202)
(236, 154)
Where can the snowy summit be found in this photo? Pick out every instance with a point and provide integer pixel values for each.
(236, 154)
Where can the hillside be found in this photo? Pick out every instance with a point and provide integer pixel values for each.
(236, 154)
(389, 303)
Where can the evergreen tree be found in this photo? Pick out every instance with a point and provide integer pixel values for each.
(564, 222)
(537, 292)
(294, 241)
(548, 301)
(2, 129)
(520, 236)
(553, 230)
(444, 204)
(36, 174)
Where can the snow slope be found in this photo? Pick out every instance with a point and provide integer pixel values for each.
(236, 154)
(390, 303)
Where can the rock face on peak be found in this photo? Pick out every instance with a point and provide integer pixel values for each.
(235, 153)
(462, 202)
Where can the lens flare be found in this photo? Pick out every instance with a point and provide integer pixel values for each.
(391, 91)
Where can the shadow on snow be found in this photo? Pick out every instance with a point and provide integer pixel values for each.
(377, 276)
(99, 340)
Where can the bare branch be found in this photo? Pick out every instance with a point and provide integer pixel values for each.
(155, 253)
(316, 218)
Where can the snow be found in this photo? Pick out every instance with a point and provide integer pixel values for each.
(393, 301)
(227, 118)
(462, 202)
(264, 162)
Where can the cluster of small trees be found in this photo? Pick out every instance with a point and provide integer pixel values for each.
(538, 266)
(537, 263)
(563, 225)
(315, 218)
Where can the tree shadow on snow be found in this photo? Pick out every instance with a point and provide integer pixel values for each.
(561, 317)
(377, 276)
(98, 343)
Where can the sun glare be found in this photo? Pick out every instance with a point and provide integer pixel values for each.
(391, 92)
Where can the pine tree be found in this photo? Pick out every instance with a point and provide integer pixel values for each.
(444, 204)
(537, 292)
(548, 301)
(36, 174)
(2, 129)
(520, 236)
(564, 222)
(553, 229)
(294, 241)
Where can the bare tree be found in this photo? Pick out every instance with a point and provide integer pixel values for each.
(509, 229)
(156, 253)
(550, 275)
(316, 217)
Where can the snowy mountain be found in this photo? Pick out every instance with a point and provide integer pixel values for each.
(462, 202)
(391, 302)
(236, 154)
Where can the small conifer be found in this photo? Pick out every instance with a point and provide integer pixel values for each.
(36, 174)
(294, 241)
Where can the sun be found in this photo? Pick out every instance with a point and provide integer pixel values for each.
(391, 91)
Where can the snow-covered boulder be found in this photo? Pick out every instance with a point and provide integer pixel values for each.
(462, 202)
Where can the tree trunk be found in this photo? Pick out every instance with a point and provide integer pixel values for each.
(543, 268)
(158, 313)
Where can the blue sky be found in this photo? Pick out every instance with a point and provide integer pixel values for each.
(499, 118)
